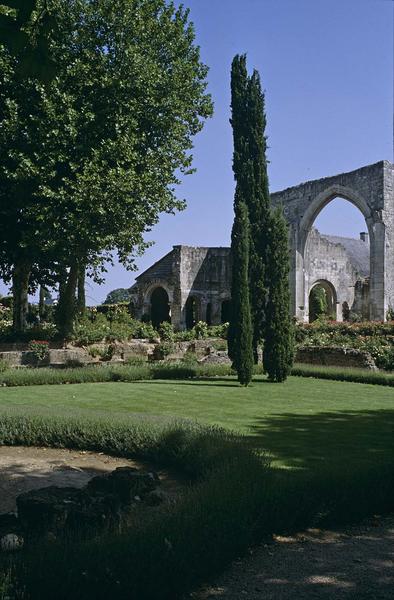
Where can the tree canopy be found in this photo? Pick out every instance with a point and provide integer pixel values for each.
(91, 158)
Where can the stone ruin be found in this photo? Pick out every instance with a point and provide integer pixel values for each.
(193, 283)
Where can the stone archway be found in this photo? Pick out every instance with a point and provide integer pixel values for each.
(330, 300)
(191, 312)
(370, 189)
(159, 306)
(225, 311)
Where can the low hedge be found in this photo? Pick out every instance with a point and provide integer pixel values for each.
(236, 498)
(146, 372)
(344, 374)
(103, 373)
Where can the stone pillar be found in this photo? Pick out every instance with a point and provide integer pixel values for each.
(378, 302)
(216, 312)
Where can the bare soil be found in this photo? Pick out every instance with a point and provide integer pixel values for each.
(25, 468)
(356, 563)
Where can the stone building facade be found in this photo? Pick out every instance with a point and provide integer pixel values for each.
(193, 283)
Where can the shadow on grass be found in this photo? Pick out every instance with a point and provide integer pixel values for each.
(326, 440)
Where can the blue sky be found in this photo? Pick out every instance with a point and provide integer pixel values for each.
(327, 70)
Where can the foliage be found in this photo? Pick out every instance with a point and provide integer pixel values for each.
(24, 29)
(137, 368)
(103, 352)
(39, 349)
(240, 340)
(218, 331)
(318, 305)
(235, 500)
(89, 331)
(166, 332)
(278, 351)
(117, 296)
(116, 325)
(390, 314)
(92, 158)
(201, 330)
(4, 366)
(250, 170)
(344, 374)
(163, 349)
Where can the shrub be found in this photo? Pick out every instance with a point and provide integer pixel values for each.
(166, 332)
(145, 331)
(234, 499)
(344, 374)
(88, 331)
(189, 358)
(136, 361)
(4, 366)
(164, 349)
(200, 330)
(219, 331)
(39, 349)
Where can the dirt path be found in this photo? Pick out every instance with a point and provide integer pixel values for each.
(23, 469)
(356, 563)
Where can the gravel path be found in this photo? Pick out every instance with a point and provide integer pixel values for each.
(356, 563)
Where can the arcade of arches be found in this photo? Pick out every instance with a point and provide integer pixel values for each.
(356, 276)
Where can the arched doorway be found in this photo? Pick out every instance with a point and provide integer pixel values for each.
(322, 301)
(225, 311)
(159, 307)
(208, 316)
(191, 312)
(337, 249)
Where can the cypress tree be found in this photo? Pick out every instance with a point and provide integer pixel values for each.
(240, 329)
(239, 83)
(278, 351)
(258, 202)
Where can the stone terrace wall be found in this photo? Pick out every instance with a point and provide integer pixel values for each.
(335, 356)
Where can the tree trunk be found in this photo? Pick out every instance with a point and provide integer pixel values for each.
(41, 305)
(81, 298)
(20, 289)
(66, 308)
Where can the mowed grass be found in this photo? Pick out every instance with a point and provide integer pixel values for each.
(303, 423)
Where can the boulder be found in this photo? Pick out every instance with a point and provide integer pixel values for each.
(125, 483)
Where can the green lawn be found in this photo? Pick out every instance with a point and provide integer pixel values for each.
(301, 423)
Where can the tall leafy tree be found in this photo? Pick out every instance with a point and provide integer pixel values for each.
(240, 327)
(24, 29)
(116, 127)
(278, 350)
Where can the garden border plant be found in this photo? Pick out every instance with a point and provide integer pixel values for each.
(186, 369)
(235, 500)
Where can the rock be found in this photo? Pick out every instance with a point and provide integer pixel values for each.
(220, 358)
(125, 483)
(11, 542)
(8, 523)
(102, 505)
(47, 509)
(155, 498)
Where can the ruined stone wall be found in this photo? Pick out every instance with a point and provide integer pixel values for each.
(371, 190)
(187, 271)
(326, 261)
(205, 274)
